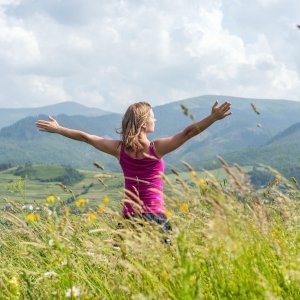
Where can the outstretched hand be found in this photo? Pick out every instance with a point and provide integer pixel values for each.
(48, 126)
(222, 111)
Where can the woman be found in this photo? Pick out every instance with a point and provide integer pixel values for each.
(141, 160)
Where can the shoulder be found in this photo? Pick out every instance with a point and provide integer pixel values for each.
(169, 144)
(106, 145)
(153, 144)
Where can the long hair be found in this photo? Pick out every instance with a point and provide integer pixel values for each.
(134, 119)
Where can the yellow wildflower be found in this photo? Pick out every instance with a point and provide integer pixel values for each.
(165, 275)
(184, 208)
(235, 246)
(92, 216)
(101, 208)
(168, 214)
(13, 286)
(202, 182)
(81, 202)
(33, 217)
(105, 200)
(66, 211)
(51, 198)
(194, 174)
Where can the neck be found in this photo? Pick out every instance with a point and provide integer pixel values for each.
(143, 138)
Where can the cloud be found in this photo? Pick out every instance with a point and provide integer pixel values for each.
(112, 53)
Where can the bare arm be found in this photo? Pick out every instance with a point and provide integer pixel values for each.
(102, 144)
(169, 144)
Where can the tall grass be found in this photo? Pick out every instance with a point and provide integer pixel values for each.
(229, 241)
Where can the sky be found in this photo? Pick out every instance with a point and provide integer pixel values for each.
(109, 54)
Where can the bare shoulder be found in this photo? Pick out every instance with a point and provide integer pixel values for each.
(162, 146)
(108, 146)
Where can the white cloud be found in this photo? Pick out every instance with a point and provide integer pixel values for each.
(111, 53)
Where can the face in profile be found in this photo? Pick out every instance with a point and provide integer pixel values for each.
(150, 125)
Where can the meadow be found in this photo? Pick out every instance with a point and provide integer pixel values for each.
(229, 240)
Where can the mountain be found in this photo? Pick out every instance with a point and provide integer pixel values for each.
(244, 129)
(9, 116)
(280, 152)
(293, 130)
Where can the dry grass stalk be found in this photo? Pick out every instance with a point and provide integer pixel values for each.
(230, 173)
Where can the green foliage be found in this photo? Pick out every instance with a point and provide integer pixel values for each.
(5, 166)
(45, 173)
(260, 177)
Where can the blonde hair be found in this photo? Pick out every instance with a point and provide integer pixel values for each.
(135, 117)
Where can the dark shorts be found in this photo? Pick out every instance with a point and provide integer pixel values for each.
(160, 219)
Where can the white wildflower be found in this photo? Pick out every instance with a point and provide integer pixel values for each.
(73, 292)
(49, 212)
(51, 243)
(50, 274)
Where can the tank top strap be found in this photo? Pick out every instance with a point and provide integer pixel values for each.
(151, 146)
(152, 149)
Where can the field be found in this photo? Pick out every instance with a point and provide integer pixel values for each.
(229, 241)
(12, 188)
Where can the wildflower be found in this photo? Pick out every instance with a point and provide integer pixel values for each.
(81, 202)
(92, 216)
(49, 212)
(165, 275)
(66, 211)
(202, 182)
(184, 208)
(51, 243)
(33, 217)
(13, 286)
(105, 200)
(73, 292)
(101, 208)
(51, 198)
(194, 174)
(50, 274)
(168, 214)
(192, 279)
(13, 281)
(235, 246)
(27, 206)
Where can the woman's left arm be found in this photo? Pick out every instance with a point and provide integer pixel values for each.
(169, 144)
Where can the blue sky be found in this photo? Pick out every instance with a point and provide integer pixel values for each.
(109, 54)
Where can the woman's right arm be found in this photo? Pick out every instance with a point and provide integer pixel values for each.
(102, 144)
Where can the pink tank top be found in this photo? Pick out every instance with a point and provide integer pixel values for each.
(143, 183)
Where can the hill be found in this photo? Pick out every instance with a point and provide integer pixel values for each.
(9, 116)
(282, 151)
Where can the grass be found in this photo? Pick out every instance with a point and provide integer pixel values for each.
(229, 242)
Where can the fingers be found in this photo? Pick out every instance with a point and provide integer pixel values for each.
(225, 107)
(215, 104)
(50, 118)
(41, 122)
